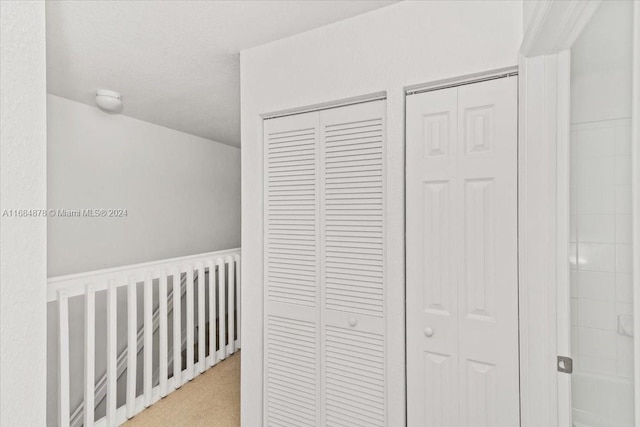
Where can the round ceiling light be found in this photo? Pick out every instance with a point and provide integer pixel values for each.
(108, 101)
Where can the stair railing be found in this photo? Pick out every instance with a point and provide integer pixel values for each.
(215, 275)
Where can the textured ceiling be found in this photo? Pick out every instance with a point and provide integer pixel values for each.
(176, 63)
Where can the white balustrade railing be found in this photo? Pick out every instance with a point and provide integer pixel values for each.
(217, 277)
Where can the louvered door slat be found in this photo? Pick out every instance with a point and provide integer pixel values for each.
(347, 367)
(291, 208)
(291, 372)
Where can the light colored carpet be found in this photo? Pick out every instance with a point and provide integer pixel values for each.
(210, 400)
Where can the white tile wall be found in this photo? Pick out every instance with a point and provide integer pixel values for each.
(624, 288)
(623, 229)
(596, 256)
(600, 234)
(597, 285)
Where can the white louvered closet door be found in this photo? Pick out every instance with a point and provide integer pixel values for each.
(462, 279)
(353, 308)
(324, 268)
(292, 272)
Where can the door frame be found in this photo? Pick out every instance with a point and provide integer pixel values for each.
(544, 123)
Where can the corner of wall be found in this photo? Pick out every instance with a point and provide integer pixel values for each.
(23, 278)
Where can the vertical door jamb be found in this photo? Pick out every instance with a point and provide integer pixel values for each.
(563, 132)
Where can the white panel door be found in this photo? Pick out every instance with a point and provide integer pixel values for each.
(462, 289)
(433, 237)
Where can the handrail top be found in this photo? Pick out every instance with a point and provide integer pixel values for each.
(74, 283)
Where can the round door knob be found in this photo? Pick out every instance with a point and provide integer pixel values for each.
(428, 332)
(353, 322)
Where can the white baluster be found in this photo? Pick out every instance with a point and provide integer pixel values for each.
(190, 320)
(163, 333)
(238, 300)
(212, 359)
(148, 338)
(201, 319)
(132, 344)
(112, 355)
(232, 305)
(63, 373)
(89, 354)
(177, 330)
(222, 309)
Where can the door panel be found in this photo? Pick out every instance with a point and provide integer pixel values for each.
(432, 302)
(353, 309)
(354, 378)
(488, 330)
(291, 365)
(462, 290)
(292, 307)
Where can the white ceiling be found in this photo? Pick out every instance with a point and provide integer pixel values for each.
(176, 63)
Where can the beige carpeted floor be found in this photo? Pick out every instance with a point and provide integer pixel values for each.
(210, 400)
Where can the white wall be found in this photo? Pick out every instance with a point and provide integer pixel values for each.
(601, 65)
(385, 50)
(22, 240)
(600, 238)
(528, 8)
(181, 192)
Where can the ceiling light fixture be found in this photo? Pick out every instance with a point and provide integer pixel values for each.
(108, 101)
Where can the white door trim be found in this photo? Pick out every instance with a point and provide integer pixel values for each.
(563, 293)
(537, 241)
(635, 188)
(555, 26)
